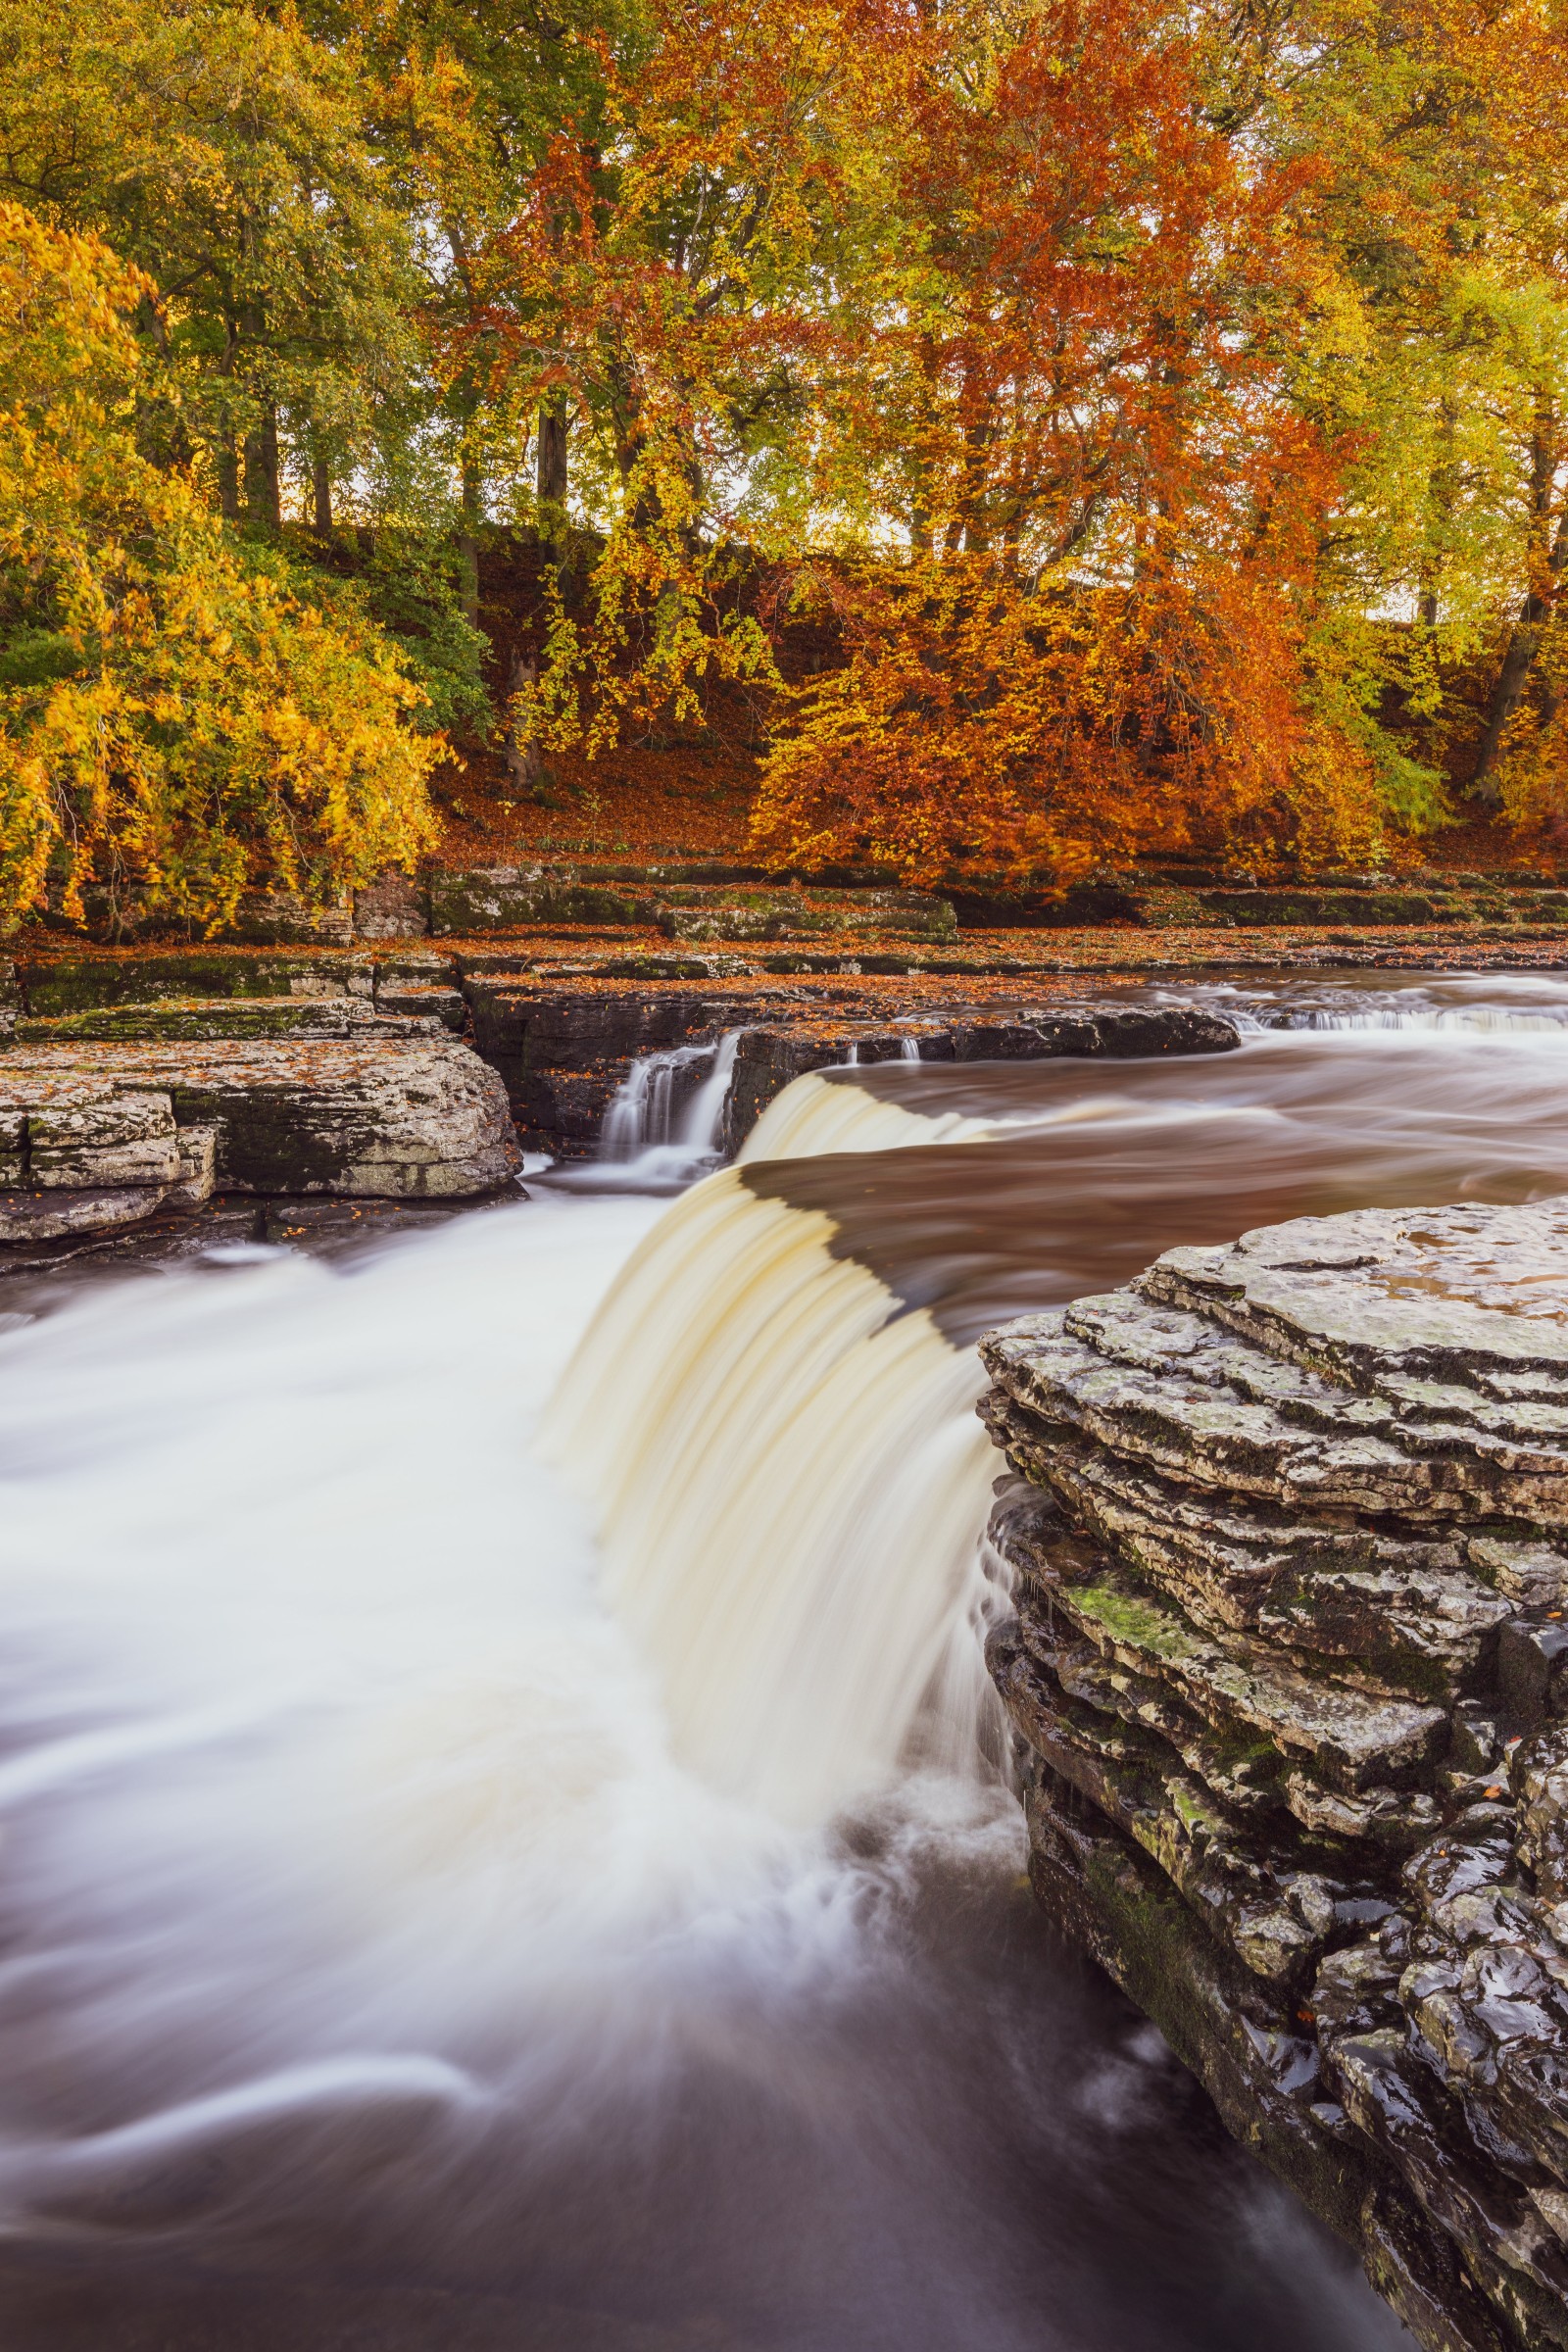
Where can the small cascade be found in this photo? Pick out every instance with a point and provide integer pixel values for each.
(661, 1132)
(1473, 1020)
(639, 1115)
(1489, 1005)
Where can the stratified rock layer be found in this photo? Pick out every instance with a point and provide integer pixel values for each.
(127, 1125)
(1289, 1668)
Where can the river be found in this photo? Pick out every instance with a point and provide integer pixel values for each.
(506, 1843)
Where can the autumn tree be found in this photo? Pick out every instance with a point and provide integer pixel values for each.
(464, 99)
(175, 725)
(222, 151)
(1437, 139)
(656, 290)
(1071, 403)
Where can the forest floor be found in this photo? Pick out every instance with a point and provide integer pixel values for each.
(695, 800)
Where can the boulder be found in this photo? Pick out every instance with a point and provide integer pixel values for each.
(1289, 1676)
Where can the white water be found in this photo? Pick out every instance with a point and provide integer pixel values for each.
(336, 1796)
(815, 1116)
(330, 1778)
(648, 1146)
(797, 1605)
(1491, 1003)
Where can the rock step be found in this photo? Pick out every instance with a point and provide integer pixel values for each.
(399, 1010)
(562, 1053)
(716, 900)
(561, 1045)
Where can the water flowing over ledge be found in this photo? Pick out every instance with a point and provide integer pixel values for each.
(797, 1606)
(372, 1885)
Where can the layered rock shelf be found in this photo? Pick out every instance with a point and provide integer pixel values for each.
(711, 900)
(1289, 1526)
(97, 1136)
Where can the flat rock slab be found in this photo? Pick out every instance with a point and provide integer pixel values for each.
(1436, 1307)
(207, 1019)
(48, 987)
(409, 1118)
(58, 1215)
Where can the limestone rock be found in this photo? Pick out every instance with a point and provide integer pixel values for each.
(370, 1116)
(58, 1215)
(392, 907)
(1289, 1532)
(301, 1015)
(98, 1134)
(57, 986)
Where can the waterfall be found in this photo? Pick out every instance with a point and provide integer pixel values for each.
(731, 1419)
(657, 1138)
(456, 1712)
(816, 1115)
(639, 1110)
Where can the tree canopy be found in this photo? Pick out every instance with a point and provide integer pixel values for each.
(176, 723)
(1154, 417)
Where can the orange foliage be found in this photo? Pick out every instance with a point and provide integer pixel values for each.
(1095, 647)
(978, 722)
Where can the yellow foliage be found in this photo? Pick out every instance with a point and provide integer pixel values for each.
(175, 723)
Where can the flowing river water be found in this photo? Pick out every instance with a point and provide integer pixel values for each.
(504, 1841)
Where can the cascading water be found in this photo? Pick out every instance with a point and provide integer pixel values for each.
(798, 1607)
(452, 1900)
(661, 1128)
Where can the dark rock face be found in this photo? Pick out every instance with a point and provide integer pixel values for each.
(1290, 1672)
(561, 1044)
(562, 1053)
(771, 1056)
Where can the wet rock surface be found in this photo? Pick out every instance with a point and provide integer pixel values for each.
(562, 1045)
(1288, 1530)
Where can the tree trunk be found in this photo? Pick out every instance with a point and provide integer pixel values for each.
(524, 764)
(550, 464)
(321, 498)
(469, 541)
(227, 477)
(1514, 676)
(263, 500)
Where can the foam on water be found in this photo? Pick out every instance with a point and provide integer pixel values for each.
(325, 1769)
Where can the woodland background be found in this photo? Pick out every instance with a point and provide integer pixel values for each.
(1034, 436)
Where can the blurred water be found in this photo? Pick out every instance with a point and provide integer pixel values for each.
(456, 1892)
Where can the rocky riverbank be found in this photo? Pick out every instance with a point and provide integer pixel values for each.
(1290, 1677)
(404, 1071)
(560, 973)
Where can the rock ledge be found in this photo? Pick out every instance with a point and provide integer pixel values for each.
(1290, 1672)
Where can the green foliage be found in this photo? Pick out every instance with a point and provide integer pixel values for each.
(1093, 304)
(177, 724)
(408, 585)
